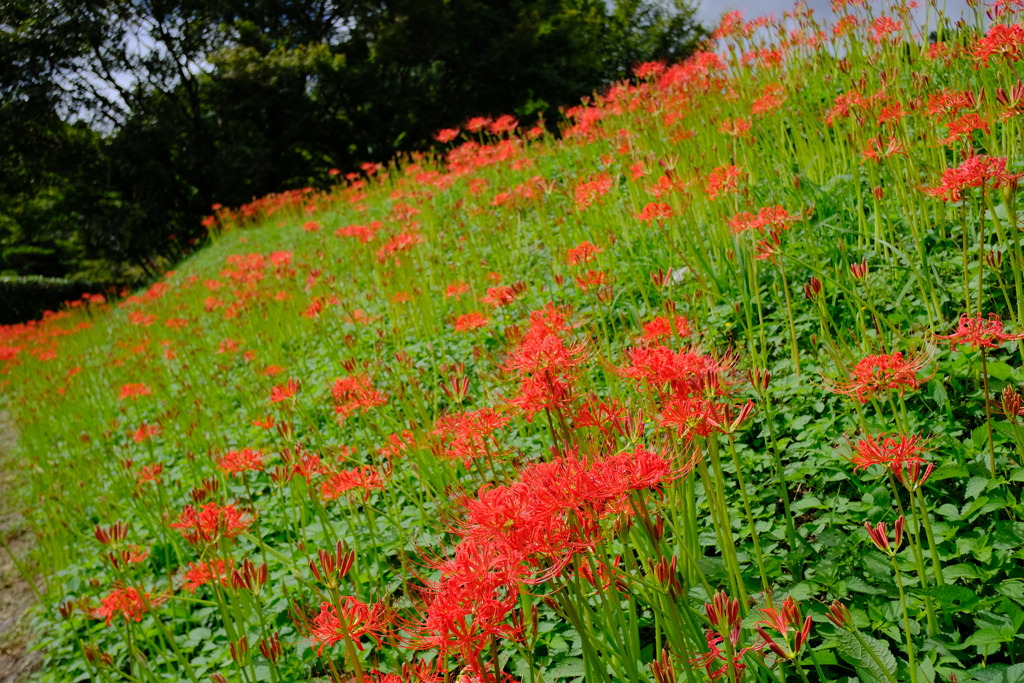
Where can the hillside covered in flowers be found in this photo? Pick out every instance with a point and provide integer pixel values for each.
(720, 384)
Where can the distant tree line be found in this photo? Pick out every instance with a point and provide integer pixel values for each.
(123, 121)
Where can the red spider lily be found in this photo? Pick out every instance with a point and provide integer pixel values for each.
(774, 217)
(877, 149)
(543, 392)
(961, 128)
(456, 290)
(724, 614)
(311, 226)
(283, 392)
(352, 621)
(133, 390)
(354, 393)
(267, 423)
(658, 211)
(873, 375)
(685, 372)
(470, 435)
(129, 603)
(592, 189)
(782, 620)
(397, 444)
(723, 180)
(584, 252)
(591, 279)
(882, 28)
(768, 248)
(978, 332)
(361, 478)
(738, 127)
(477, 123)
(308, 466)
(1010, 404)
(149, 473)
(772, 97)
(888, 451)
(146, 431)
(975, 171)
(467, 322)
(499, 297)
(211, 522)
(446, 135)
(204, 572)
(503, 124)
(238, 462)
(403, 241)
(666, 326)
(131, 554)
(1012, 101)
(879, 535)
(1001, 41)
(838, 614)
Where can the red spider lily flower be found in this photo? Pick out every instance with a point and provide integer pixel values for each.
(666, 326)
(129, 603)
(738, 127)
(149, 473)
(584, 252)
(592, 189)
(1002, 40)
(686, 372)
(882, 28)
(470, 435)
(446, 135)
(693, 416)
(1012, 101)
(397, 444)
(979, 332)
(146, 431)
(203, 573)
(1010, 404)
(877, 149)
(723, 180)
(211, 522)
(500, 297)
(267, 423)
(503, 124)
(961, 128)
(975, 171)
(354, 393)
(540, 393)
(873, 375)
(591, 279)
(283, 392)
(238, 462)
(133, 390)
(311, 226)
(772, 97)
(308, 466)
(352, 621)
(363, 478)
(467, 322)
(456, 290)
(838, 614)
(768, 248)
(723, 613)
(658, 211)
(477, 123)
(891, 452)
(781, 620)
(403, 241)
(879, 535)
(130, 554)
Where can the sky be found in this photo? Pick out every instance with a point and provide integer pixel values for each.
(710, 10)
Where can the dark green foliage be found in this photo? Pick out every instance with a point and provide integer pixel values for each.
(27, 297)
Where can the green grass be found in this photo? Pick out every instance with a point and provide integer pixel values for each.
(640, 499)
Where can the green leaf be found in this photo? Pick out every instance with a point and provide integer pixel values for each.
(988, 636)
(568, 668)
(854, 648)
(999, 673)
(999, 370)
(976, 486)
(953, 598)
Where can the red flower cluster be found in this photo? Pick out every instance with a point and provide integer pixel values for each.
(975, 171)
(873, 375)
(979, 332)
(354, 620)
(211, 522)
(470, 435)
(354, 393)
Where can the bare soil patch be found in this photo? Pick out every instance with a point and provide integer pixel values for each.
(16, 661)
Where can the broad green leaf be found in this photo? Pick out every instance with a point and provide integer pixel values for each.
(858, 649)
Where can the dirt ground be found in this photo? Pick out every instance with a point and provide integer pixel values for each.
(16, 663)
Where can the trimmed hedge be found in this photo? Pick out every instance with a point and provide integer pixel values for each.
(26, 297)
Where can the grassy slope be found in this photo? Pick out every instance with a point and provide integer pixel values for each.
(212, 341)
